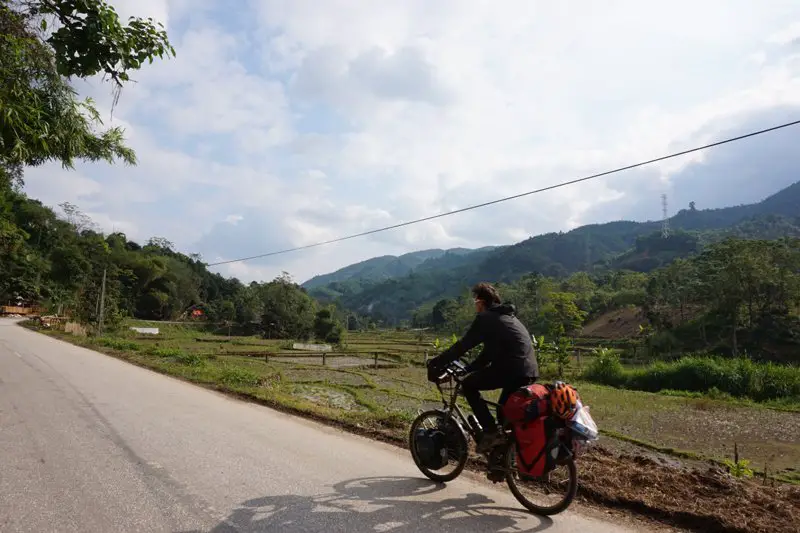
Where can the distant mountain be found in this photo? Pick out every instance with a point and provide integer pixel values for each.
(389, 266)
(653, 251)
(621, 244)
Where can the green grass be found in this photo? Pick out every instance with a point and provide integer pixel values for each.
(118, 344)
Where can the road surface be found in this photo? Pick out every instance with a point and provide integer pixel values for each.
(89, 443)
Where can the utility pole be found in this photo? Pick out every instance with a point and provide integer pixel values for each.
(39, 270)
(102, 303)
(664, 217)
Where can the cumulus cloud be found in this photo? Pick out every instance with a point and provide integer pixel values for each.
(286, 123)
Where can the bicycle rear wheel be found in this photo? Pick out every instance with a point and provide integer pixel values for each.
(547, 495)
(457, 446)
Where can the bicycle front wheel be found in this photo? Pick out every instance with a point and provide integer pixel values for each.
(456, 445)
(546, 495)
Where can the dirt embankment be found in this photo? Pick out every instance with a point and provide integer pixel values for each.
(624, 323)
(708, 500)
(692, 495)
(618, 324)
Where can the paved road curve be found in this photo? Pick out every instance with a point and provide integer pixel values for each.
(91, 444)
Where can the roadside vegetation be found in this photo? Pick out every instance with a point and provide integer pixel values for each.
(716, 377)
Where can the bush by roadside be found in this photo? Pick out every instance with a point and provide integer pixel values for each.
(740, 377)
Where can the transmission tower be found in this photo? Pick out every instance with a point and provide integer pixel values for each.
(664, 217)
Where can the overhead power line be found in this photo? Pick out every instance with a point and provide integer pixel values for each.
(507, 198)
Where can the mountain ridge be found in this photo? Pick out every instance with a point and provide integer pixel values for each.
(616, 244)
(386, 266)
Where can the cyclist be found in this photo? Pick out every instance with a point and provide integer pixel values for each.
(506, 362)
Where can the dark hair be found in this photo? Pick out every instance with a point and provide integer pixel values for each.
(486, 292)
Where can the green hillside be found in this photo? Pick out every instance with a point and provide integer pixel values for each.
(388, 267)
(627, 245)
(652, 251)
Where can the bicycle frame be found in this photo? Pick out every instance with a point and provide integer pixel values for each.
(454, 372)
(451, 407)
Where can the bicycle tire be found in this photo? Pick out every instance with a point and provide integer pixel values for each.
(462, 460)
(530, 506)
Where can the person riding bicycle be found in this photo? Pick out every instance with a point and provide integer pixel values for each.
(506, 362)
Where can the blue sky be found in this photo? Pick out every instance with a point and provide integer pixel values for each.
(282, 123)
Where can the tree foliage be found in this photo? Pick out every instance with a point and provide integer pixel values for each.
(737, 295)
(288, 311)
(327, 328)
(58, 260)
(41, 117)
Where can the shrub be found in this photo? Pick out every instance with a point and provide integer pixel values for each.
(605, 368)
(717, 376)
(739, 469)
(177, 355)
(335, 336)
(777, 381)
(190, 359)
(629, 298)
(119, 344)
(164, 352)
(237, 376)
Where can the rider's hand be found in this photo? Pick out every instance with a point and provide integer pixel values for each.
(433, 372)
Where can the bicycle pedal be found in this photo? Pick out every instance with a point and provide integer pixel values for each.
(495, 476)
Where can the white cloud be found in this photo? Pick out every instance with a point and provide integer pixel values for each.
(290, 122)
(787, 35)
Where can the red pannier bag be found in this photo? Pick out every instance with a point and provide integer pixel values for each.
(528, 411)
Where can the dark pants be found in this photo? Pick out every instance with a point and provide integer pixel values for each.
(490, 379)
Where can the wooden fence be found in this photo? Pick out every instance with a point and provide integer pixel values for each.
(17, 310)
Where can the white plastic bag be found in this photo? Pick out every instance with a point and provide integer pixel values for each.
(583, 424)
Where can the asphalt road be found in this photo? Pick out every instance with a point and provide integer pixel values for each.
(89, 443)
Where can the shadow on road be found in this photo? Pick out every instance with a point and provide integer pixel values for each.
(391, 504)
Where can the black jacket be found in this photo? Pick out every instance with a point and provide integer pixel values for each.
(507, 344)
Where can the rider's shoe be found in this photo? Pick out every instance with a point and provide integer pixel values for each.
(496, 476)
(489, 440)
(495, 472)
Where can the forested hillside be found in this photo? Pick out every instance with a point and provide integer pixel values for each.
(386, 267)
(736, 296)
(626, 245)
(59, 262)
(430, 270)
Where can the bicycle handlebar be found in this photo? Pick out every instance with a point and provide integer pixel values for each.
(456, 370)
